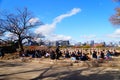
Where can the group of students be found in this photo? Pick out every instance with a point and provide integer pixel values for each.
(86, 54)
(46, 53)
(73, 54)
(67, 53)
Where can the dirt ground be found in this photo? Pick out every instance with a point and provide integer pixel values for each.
(17, 70)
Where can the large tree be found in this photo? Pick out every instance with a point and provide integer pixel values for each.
(19, 23)
(1, 30)
(115, 19)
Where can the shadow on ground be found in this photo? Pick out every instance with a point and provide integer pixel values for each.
(28, 71)
(76, 75)
(9, 64)
(63, 73)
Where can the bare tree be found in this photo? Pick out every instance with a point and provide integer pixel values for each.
(19, 23)
(1, 30)
(115, 19)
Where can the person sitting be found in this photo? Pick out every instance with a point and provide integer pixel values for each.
(2, 54)
(108, 55)
(94, 55)
(102, 55)
(47, 55)
(73, 57)
(84, 57)
(52, 55)
(67, 54)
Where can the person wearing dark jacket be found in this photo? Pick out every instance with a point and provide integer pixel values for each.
(2, 54)
(52, 54)
(57, 52)
(94, 54)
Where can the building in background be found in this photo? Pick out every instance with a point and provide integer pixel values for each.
(92, 43)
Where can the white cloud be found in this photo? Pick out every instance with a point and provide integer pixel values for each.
(115, 34)
(61, 17)
(88, 36)
(48, 29)
(10, 35)
(45, 29)
(55, 37)
(37, 39)
(34, 20)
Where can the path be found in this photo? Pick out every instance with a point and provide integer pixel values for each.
(10, 70)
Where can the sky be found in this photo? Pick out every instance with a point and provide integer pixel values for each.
(75, 20)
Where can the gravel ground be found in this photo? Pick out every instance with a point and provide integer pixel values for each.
(17, 70)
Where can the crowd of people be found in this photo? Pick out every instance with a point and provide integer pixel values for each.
(90, 54)
(73, 54)
(47, 53)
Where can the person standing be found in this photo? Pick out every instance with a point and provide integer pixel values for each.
(57, 52)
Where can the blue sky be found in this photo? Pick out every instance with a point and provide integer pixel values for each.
(76, 20)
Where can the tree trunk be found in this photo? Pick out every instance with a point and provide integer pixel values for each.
(20, 43)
